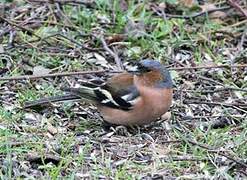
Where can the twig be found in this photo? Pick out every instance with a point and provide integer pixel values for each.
(228, 89)
(243, 172)
(235, 5)
(214, 151)
(113, 54)
(213, 103)
(215, 90)
(210, 67)
(48, 22)
(12, 35)
(188, 118)
(211, 150)
(162, 13)
(237, 24)
(55, 75)
(243, 37)
(73, 41)
(22, 28)
(210, 80)
(103, 71)
(87, 3)
(171, 141)
(229, 27)
(194, 15)
(233, 105)
(238, 161)
(181, 158)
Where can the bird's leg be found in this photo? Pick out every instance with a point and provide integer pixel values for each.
(107, 126)
(122, 130)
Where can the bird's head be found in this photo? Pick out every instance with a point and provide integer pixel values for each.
(152, 73)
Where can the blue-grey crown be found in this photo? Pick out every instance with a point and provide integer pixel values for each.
(156, 65)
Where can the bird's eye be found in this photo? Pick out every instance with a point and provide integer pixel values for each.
(144, 69)
(139, 69)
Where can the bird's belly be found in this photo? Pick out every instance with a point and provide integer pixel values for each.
(131, 117)
(142, 113)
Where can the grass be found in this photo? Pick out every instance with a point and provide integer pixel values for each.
(84, 148)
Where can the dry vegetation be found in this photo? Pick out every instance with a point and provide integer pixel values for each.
(205, 136)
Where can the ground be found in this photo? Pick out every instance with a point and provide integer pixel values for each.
(203, 43)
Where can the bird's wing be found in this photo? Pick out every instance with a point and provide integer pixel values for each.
(118, 92)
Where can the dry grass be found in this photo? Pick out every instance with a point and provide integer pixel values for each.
(205, 138)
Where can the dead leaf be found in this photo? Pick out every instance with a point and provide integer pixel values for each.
(1, 49)
(33, 117)
(40, 70)
(187, 3)
(166, 116)
(162, 5)
(218, 15)
(115, 38)
(51, 128)
(207, 7)
(100, 60)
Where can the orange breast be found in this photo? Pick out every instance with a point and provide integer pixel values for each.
(151, 106)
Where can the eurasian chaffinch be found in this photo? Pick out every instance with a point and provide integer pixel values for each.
(136, 97)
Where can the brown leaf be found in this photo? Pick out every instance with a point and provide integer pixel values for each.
(217, 15)
(115, 38)
(187, 3)
(207, 7)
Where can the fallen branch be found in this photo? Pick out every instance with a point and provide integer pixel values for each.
(29, 77)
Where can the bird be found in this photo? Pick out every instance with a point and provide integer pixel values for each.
(138, 96)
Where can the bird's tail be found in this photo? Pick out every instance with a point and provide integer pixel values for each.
(86, 93)
(48, 100)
